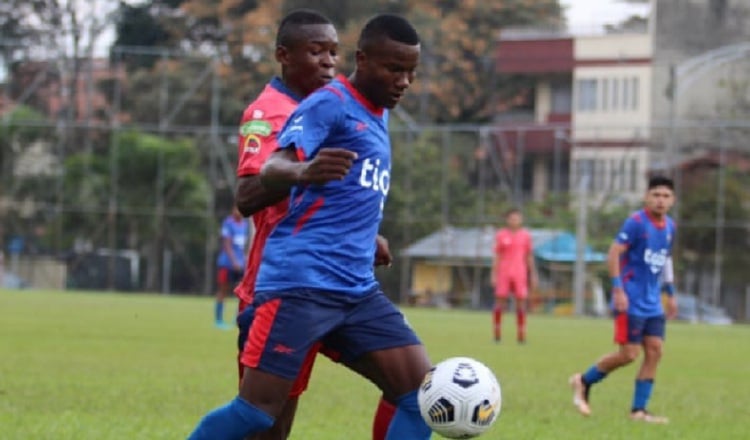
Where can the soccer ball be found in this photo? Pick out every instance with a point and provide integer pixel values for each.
(460, 398)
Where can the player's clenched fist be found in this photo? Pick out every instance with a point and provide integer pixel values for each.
(383, 255)
(328, 165)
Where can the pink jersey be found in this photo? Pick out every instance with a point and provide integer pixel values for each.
(512, 249)
(261, 123)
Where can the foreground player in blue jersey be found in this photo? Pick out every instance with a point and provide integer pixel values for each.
(316, 282)
(637, 259)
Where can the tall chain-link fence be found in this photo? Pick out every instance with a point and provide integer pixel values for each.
(124, 187)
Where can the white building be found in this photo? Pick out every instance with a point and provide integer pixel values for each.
(607, 92)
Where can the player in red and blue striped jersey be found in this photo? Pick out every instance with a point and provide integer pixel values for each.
(639, 260)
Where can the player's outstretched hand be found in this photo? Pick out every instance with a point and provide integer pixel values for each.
(328, 165)
(383, 255)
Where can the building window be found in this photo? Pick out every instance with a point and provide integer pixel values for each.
(634, 89)
(634, 175)
(600, 175)
(605, 94)
(561, 99)
(618, 174)
(626, 94)
(615, 93)
(587, 94)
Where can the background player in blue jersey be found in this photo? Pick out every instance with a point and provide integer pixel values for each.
(230, 263)
(316, 281)
(637, 259)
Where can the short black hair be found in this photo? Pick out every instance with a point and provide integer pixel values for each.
(655, 181)
(285, 36)
(391, 26)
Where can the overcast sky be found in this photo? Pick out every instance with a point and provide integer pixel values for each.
(590, 15)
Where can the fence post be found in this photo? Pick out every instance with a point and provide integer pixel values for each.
(579, 274)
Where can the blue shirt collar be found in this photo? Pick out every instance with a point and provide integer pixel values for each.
(279, 85)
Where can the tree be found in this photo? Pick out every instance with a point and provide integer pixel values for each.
(20, 130)
(456, 80)
(161, 196)
(137, 26)
(697, 232)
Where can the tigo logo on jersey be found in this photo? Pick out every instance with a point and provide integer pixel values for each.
(655, 260)
(373, 177)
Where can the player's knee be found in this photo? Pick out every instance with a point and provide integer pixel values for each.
(629, 354)
(268, 398)
(654, 351)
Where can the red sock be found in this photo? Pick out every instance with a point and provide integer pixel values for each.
(497, 316)
(382, 420)
(521, 323)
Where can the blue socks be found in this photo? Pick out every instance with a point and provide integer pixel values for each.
(233, 421)
(219, 311)
(592, 376)
(642, 393)
(407, 423)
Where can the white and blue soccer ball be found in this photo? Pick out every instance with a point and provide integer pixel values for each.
(460, 398)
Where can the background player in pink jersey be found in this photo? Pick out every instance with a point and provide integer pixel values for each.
(512, 271)
(307, 47)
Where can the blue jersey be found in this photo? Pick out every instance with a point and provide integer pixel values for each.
(327, 240)
(649, 246)
(237, 231)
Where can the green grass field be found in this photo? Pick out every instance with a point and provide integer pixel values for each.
(113, 366)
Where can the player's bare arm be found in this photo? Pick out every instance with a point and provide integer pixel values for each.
(533, 277)
(669, 287)
(613, 264)
(284, 170)
(495, 265)
(251, 196)
(236, 263)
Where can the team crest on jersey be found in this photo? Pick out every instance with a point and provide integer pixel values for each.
(252, 144)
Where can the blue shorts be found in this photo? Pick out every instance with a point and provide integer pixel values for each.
(287, 325)
(226, 275)
(630, 329)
